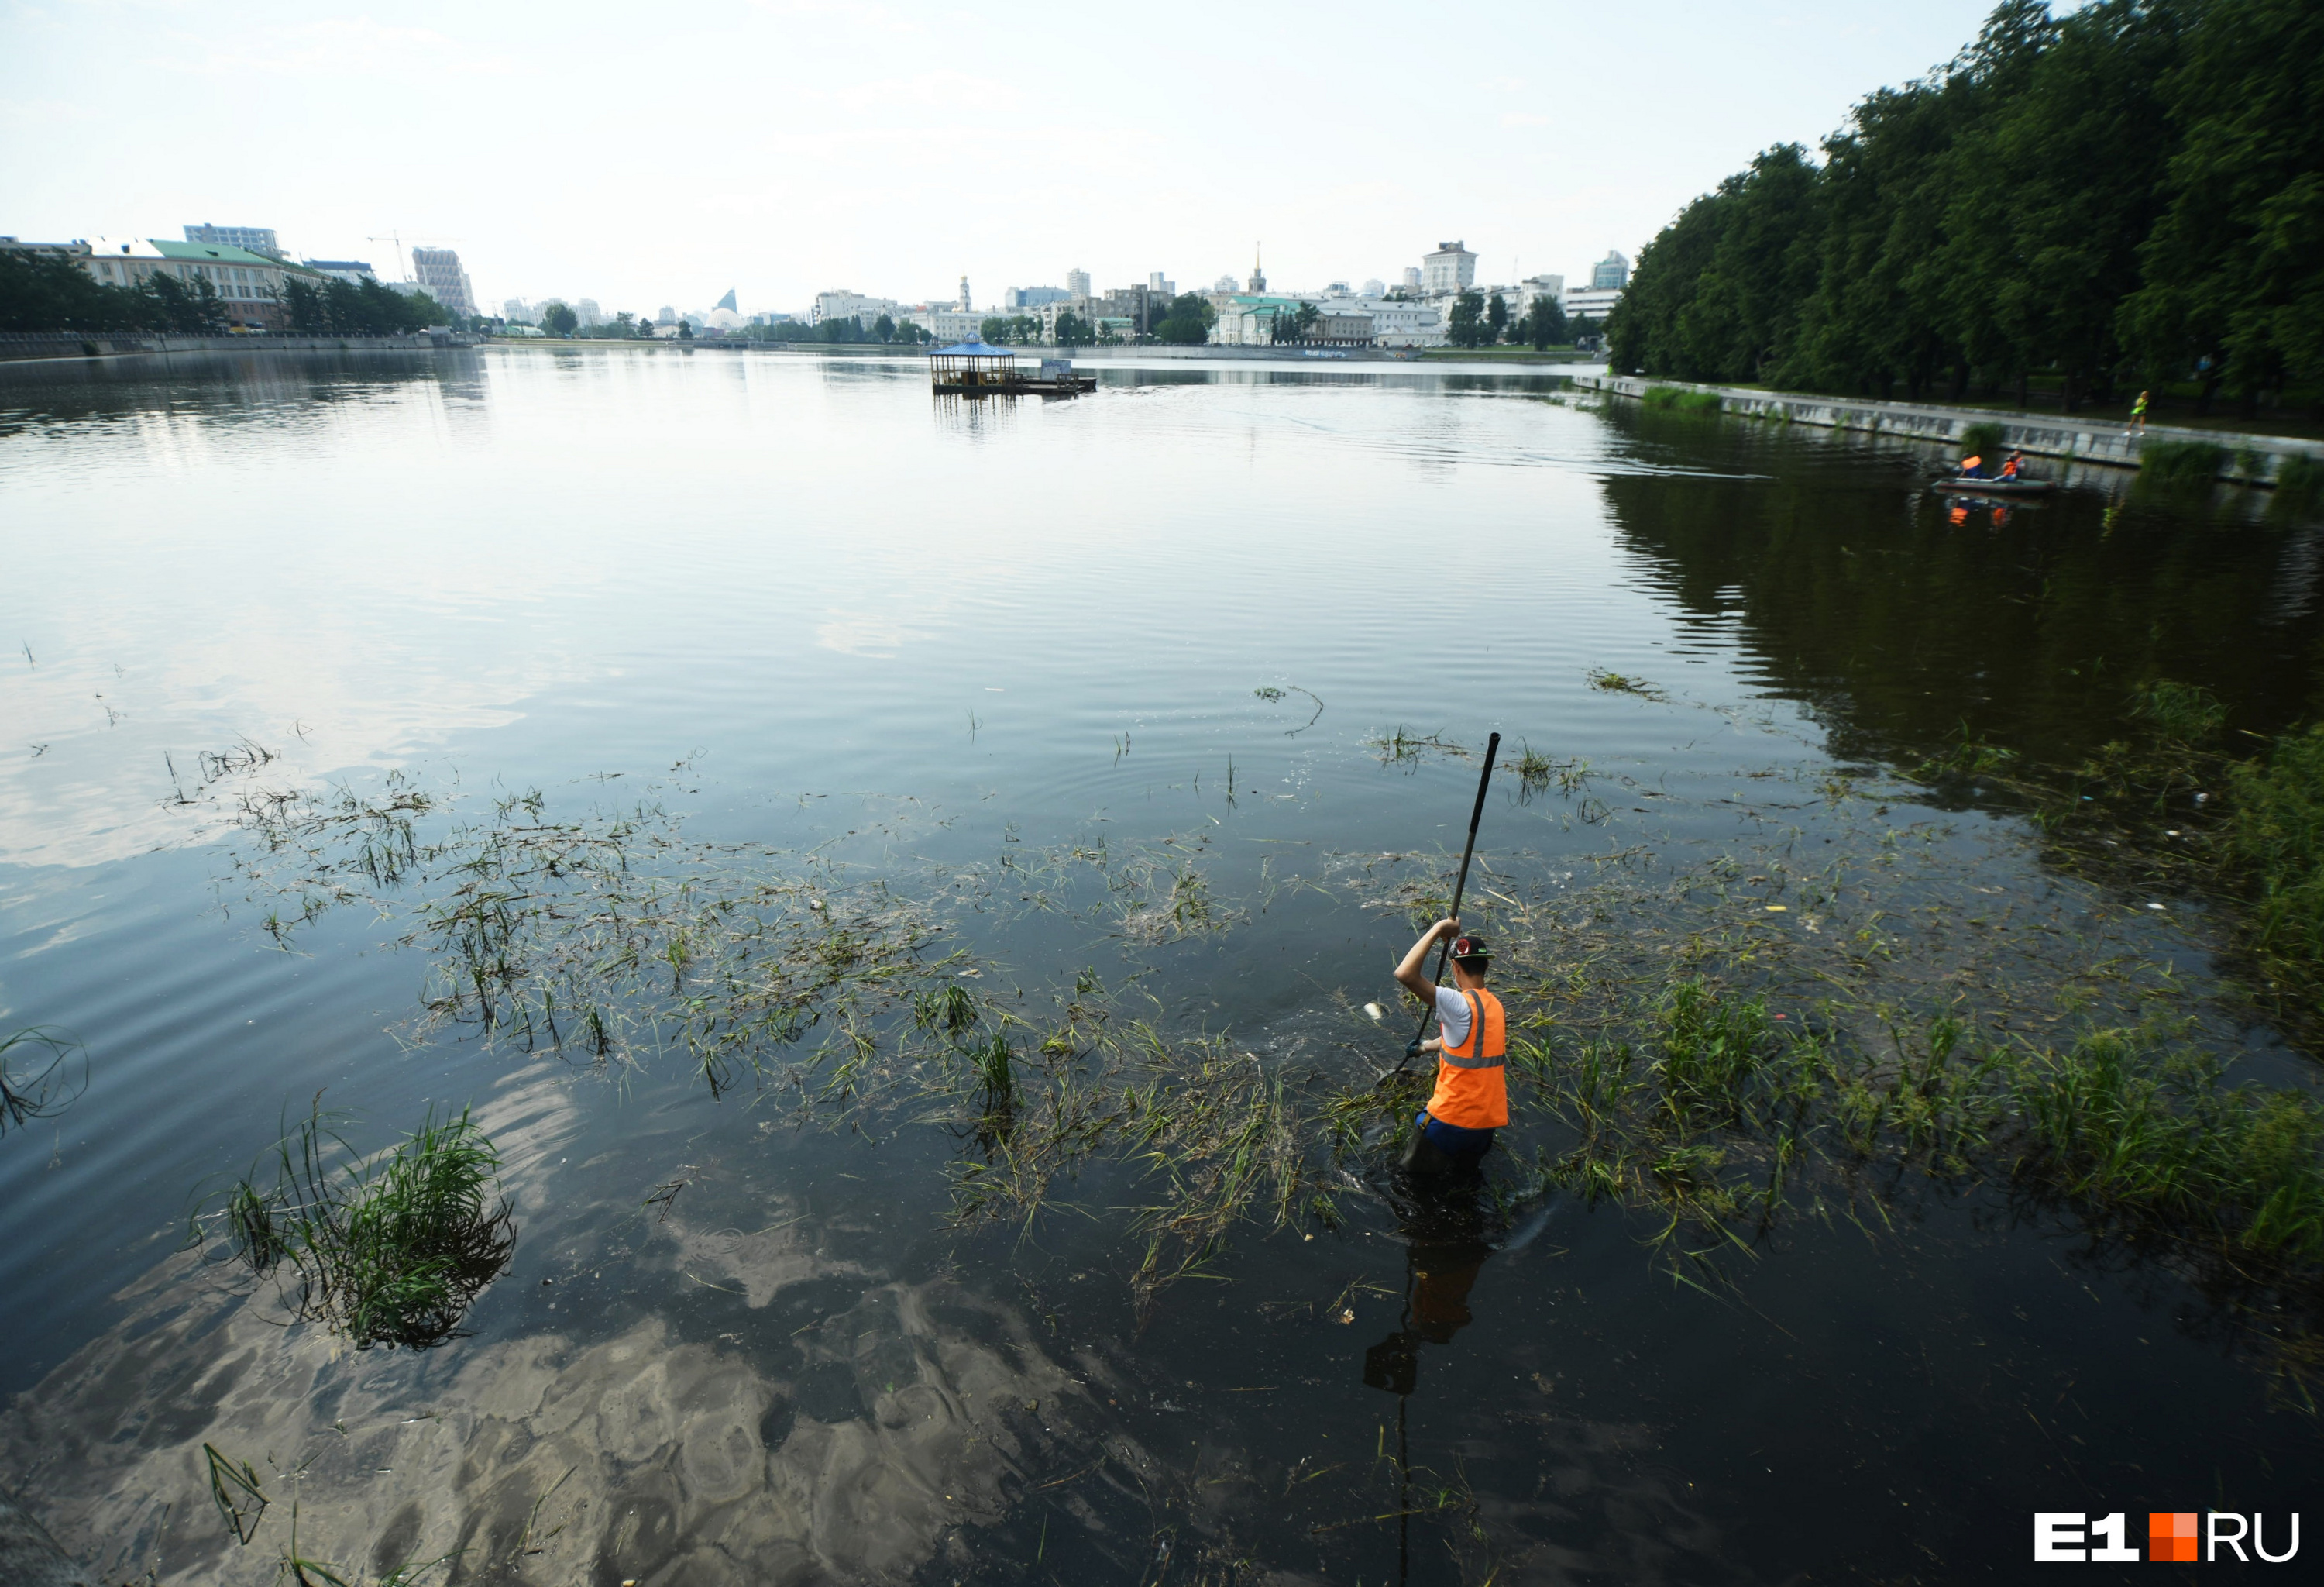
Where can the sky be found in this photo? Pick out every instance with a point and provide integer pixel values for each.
(651, 155)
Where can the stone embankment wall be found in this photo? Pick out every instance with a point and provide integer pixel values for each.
(2254, 459)
(116, 344)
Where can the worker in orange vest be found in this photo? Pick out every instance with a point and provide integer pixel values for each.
(1455, 1129)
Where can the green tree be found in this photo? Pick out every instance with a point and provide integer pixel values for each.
(1073, 331)
(1496, 317)
(1544, 324)
(2231, 282)
(1186, 321)
(558, 321)
(993, 330)
(192, 310)
(1466, 327)
(883, 328)
(44, 292)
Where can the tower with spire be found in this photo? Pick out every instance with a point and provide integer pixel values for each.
(963, 305)
(1258, 276)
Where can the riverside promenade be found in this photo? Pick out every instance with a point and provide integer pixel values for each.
(2250, 459)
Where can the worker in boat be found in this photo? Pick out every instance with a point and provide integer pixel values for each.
(1972, 467)
(1455, 1129)
(2013, 467)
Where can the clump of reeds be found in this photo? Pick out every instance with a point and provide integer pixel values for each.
(2275, 833)
(2154, 1138)
(2300, 479)
(2180, 713)
(1680, 398)
(389, 1249)
(42, 1071)
(1981, 439)
(1401, 745)
(2182, 462)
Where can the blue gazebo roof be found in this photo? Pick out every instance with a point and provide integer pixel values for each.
(978, 349)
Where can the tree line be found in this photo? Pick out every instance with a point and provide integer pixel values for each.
(2132, 195)
(48, 292)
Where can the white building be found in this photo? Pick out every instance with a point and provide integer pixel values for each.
(1395, 322)
(588, 313)
(1159, 283)
(948, 326)
(1411, 282)
(1452, 268)
(1077, 284)
(517, 311)
(1535, 287)
(255, 239)
(438, 271)
(864, 311)
(1374, 288)
(1591, 302)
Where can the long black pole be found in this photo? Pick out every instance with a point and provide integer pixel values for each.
(1492, 749)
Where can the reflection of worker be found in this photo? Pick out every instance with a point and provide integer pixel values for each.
(1471, 1100)
(1445, 1250)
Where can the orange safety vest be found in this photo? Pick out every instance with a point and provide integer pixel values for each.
(1470, 1093)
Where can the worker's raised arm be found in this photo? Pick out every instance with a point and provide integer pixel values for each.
(1410, 974)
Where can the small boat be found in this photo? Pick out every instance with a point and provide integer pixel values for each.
(1997, 487)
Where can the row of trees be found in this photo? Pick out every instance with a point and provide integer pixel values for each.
(47, 292)
(2133, 194)
(1477, 321)
(352, 308)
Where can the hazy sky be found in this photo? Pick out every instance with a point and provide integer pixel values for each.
(651, 154)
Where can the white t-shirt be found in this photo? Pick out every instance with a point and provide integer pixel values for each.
(1452, 1016)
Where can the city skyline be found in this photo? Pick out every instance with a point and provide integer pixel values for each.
(654, 184)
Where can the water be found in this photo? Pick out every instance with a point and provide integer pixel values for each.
(819, 611)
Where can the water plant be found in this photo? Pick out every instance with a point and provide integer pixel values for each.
(1680, 398)
(1983, 439)
(2182, 462)
(2299, 477)
(388, 1248)
(42, 1071)
(1618, 683)
(2274, 835)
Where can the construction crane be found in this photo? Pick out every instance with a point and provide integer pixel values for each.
(403, 270)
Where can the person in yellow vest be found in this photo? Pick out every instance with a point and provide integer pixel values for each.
(1455, 1129)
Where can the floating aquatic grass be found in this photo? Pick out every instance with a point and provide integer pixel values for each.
(41, 1072)
(2275, 835)
(389, 1249)
(1618, 684)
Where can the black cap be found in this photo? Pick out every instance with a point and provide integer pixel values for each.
(1470, 945)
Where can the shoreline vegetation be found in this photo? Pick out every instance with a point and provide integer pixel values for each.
(1988, 227)
(1713, 1045)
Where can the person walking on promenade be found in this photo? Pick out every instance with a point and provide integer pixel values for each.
(2139, 416)
(1455, 1129)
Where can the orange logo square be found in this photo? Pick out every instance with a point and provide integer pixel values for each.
(2170, 1535)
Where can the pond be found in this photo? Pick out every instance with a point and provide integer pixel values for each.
(898, 880)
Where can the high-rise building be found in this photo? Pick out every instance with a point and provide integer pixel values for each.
(258, 239)
(353, 271)
(1077, 284)
(1611, 272)
(1411, 282)
(1375, 288)
(1451, 269)
(587, 312)
(727, 302)
(517, 311)
(438, 271)
(1033, 297)
(1159, 282)
(668, 316)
